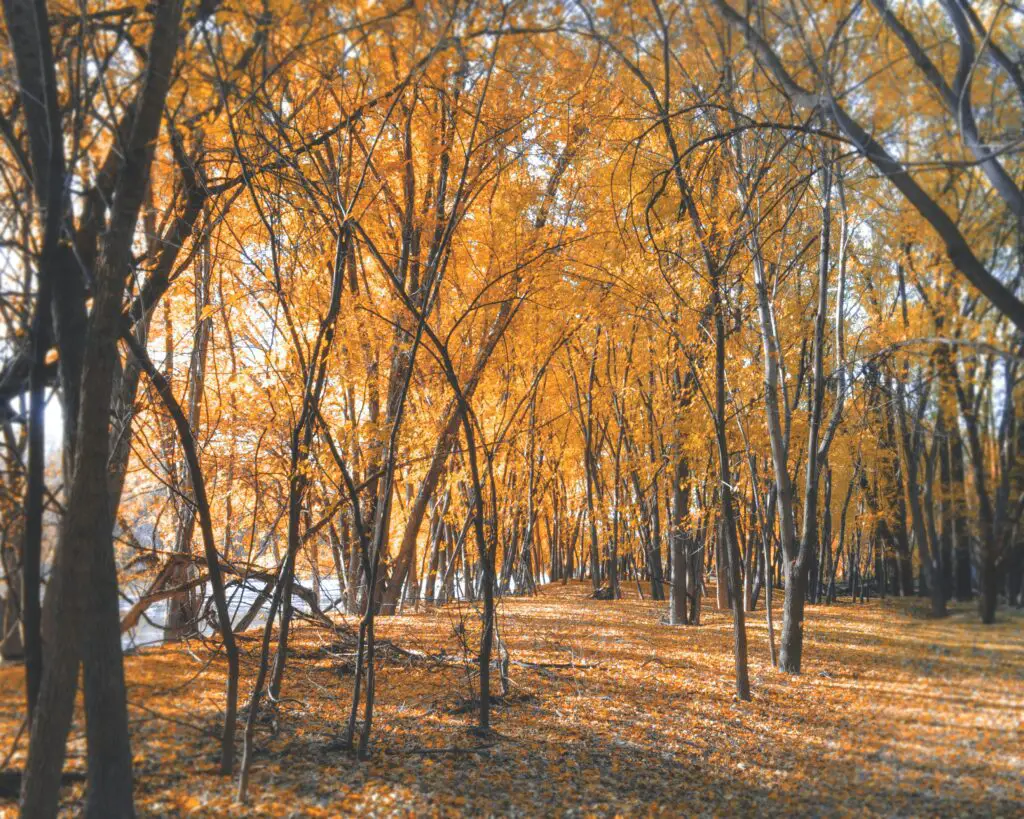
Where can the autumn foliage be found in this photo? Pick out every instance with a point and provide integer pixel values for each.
(373, 356)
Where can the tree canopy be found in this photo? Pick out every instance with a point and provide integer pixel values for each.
(328, 312)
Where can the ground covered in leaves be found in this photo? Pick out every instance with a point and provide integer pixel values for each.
(610, 712)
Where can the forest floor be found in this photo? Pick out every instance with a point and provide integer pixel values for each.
(610, 712)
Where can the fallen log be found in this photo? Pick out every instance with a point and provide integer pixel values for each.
(158, 590)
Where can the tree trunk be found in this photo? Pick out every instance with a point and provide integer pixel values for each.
(84, 595)
(731, 546)
(181, 611)
(961, 534)
(680, 507)
(198, 485)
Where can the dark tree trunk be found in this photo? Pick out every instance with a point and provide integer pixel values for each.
(31, 553)
(731, 545)
(198, 484)
(680, 507)
(964, 588)
(83, 593)
(791, 641)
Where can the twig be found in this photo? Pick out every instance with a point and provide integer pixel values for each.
(14, 745)
(475, 749)
(555, 665)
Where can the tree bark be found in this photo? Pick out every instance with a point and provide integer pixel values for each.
(680, 508)
(85, 577)
(198, 483)
(732, 553)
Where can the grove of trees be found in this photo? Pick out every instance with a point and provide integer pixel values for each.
(332, 307)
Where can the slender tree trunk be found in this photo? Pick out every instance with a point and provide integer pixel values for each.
(198, 484)
(732, 553)
(181, 612)
(680, 508)
(31, 552)
(912, 444)
(613, 548)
